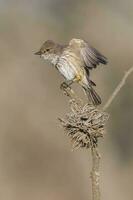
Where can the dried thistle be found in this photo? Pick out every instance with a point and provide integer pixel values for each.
(84, 125)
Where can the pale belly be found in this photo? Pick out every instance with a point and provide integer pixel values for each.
(67, 72)
(68, 69)
(67, 65)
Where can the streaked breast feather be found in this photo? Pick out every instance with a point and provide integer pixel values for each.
(66, 68)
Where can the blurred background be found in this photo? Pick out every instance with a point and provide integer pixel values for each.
(36, 161)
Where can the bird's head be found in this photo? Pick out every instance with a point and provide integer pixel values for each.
(48, 48)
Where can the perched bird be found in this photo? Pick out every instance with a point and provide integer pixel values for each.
(74, 61)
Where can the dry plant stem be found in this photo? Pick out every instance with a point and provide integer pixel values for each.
(118, 88)
(95, 174)
(85, 124)
(72, 95)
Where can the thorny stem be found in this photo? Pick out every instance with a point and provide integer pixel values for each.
(95, 174)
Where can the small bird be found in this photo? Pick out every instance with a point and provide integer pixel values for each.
(74, 61)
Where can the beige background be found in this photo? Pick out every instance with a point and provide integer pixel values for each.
(36, 161)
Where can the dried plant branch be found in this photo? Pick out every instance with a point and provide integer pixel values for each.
(95, 174)
(85, 124)
(72, 95)
(118, 88)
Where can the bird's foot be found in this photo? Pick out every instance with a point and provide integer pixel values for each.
(65, 86)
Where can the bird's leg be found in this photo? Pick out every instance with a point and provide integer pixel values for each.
(66, 84)
(66, 87)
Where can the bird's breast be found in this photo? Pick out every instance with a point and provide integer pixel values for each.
(53, 58)
(66, 69)
(69, 66)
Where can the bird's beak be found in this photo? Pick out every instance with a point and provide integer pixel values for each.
(39, 53)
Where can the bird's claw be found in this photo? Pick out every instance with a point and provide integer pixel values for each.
(64, 86)
(66, 89)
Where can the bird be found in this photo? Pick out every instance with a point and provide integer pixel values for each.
(74, 61)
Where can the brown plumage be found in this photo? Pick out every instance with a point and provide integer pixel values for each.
(74, 61)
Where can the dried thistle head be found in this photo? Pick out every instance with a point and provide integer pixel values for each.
(84, 125)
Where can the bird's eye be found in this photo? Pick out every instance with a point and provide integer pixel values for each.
(47, 49)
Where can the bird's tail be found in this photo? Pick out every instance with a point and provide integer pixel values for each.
(92, 95)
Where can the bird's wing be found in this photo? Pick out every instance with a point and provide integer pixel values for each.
(91, 57)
